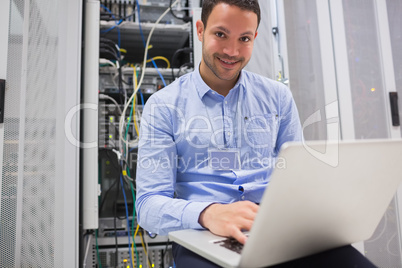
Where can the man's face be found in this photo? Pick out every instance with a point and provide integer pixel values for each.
(227, 41)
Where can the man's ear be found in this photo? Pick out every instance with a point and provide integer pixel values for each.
(256, 33)
(200, 29)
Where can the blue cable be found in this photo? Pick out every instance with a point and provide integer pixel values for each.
(142, 98)
(139, 23)
(156, 67)
(108, 30)
(111, 28)
(144, 43)
(128, 222)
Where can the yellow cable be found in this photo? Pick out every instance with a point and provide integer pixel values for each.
(132, 245)
(145, 250)
(132, 253)
(134, 100)
(160, 58)
(121, 121)
(134, 119)
(279, 76)
(135, 76)
(136, 230)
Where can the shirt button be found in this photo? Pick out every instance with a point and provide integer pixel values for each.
(242, 198)
(228, 133)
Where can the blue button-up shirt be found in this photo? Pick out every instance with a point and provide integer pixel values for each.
(185, 120)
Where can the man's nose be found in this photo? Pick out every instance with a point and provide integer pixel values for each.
(231, 49)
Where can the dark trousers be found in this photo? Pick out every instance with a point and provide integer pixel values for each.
(345, 257)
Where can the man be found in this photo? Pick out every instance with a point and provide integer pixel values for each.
(208, 141)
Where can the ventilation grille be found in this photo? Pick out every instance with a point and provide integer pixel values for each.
(27, 229)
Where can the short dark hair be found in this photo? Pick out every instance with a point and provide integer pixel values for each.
(250, 5)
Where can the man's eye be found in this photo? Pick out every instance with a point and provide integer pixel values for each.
(219, 34)
(245, 39)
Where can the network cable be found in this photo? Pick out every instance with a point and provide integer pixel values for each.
(121, 123)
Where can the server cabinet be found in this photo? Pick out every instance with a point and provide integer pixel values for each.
(39, 178)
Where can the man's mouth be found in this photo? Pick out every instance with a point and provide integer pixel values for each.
(229, 62)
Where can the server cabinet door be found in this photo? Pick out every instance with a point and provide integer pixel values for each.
(305, 31)
(365, 78)
(39, 176)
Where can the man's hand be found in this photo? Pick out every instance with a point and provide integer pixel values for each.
(229, 219)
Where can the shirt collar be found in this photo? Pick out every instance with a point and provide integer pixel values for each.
(203, 88)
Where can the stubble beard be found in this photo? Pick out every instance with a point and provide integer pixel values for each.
(214, 69)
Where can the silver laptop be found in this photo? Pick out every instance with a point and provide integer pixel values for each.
(321, 196)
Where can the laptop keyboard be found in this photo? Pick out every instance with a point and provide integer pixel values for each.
(231, 243)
